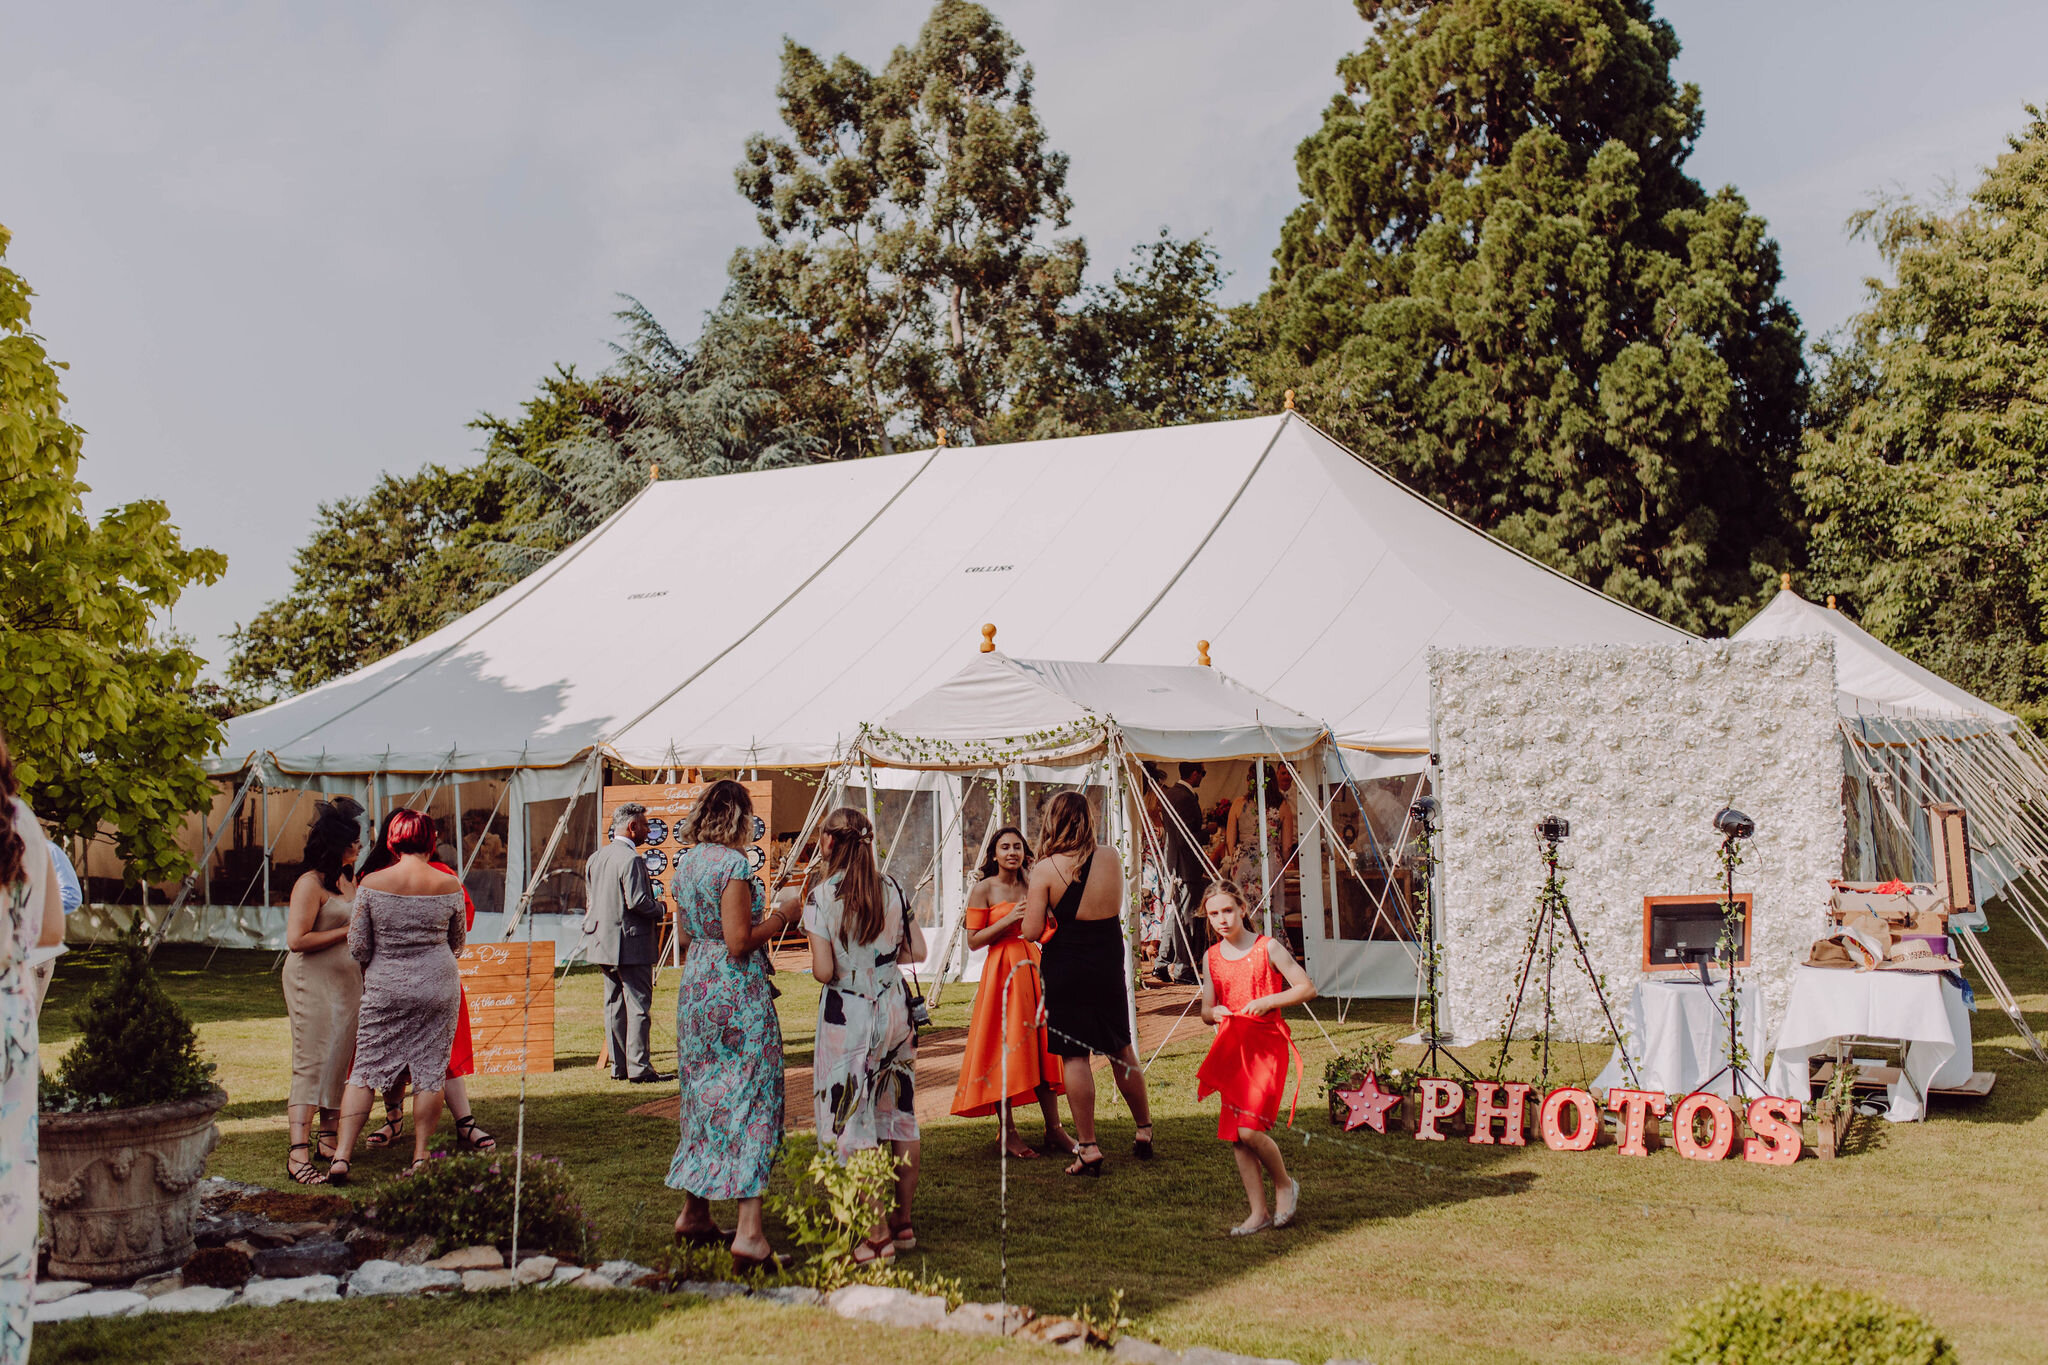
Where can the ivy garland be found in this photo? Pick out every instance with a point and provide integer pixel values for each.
(1070, 740)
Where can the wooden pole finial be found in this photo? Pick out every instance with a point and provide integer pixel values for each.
(654, 472)
(1831, 601)
(1288, 404)
(988, 639)
(1202, 653)
(1784, 582)
(942, 438)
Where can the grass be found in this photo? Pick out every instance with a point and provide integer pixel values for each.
(1405, 1251)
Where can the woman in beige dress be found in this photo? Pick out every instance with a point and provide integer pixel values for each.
(323, 986)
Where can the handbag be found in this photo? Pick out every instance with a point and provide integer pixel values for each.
(920, 1013)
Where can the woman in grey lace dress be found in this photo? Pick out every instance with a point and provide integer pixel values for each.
(408, 927)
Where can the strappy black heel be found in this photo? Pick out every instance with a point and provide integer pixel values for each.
(302, 1171)
(473, 1137)
(389, 1131)
(340, 1177)
(1141, 1147)
(1083, 1166)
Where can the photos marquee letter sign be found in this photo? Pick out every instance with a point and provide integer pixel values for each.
(1703, 1126)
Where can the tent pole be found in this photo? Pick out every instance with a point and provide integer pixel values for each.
(1265, 864)
(1126, 879)
(266, 848)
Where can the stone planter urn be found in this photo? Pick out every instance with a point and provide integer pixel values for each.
(121, 1187)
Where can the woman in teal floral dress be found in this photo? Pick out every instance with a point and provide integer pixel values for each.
(28, 888)
(728, 1040)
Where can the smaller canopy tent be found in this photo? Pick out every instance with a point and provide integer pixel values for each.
(1000, 711)
(1086, 724)
(1911, 738)
(1871, 678)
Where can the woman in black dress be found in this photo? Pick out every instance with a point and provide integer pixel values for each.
(1077, 886)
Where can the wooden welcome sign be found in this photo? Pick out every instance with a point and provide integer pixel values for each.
(1569, 1118)
(502, 978)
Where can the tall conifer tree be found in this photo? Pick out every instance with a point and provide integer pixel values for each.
(1504, 287)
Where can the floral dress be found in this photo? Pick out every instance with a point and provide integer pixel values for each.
(21, 922)
(865, 1071)
(728, 1040)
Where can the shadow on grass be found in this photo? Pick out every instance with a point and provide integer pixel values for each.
(214, 986)
(480, 1329)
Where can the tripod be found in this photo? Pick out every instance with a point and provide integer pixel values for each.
(1552, 906)
(1729, 948)
(1434, 1053)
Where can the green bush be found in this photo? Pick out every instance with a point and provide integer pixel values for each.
(463, 1201)
(135, 1045)
(1804, 1324)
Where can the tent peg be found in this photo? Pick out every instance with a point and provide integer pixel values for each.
(1287, 404)
(1831, 601)
(1202, 653)
(1784, 582)
(942, 438)
(988, 639)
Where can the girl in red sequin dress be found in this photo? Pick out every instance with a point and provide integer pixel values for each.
(1250, 979)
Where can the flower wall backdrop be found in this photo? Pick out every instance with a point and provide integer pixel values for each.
(1638, 746)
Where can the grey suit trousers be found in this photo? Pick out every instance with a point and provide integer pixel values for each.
(628, 995)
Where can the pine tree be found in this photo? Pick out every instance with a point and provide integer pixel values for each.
(135, 1046)
(1504, 287)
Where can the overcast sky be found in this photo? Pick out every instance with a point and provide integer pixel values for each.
(287, 247)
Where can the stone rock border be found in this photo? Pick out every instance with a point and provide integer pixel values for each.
(481, 1269)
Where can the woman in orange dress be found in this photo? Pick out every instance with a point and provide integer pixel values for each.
(995, 908)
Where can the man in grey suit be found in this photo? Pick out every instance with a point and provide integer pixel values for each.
(620, 928)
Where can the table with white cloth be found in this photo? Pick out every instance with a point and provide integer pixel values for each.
(1678, 1036)
(1924, 1011)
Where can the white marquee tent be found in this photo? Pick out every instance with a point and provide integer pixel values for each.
(1911, 738)
(755, 620)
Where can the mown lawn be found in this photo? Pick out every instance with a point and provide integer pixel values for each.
(1404, 1252)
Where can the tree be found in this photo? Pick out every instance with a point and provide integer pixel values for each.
(379, 572)
(1926, 473)
(1503, 286)
(1150, 348)
(99, 710)
(903, 214)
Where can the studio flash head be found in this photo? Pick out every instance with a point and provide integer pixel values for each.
(1552, 828)
(1734, 824)
(1424, 810)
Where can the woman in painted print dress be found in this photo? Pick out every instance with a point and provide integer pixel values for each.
(728, 1040)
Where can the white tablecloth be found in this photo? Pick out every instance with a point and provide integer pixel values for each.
(1678, 1037)
(1921, 1009)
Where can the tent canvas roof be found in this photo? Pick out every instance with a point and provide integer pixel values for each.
(759, 618)
(1871, 677)
(1047, 710)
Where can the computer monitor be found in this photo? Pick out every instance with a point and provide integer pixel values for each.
(1679, 932)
